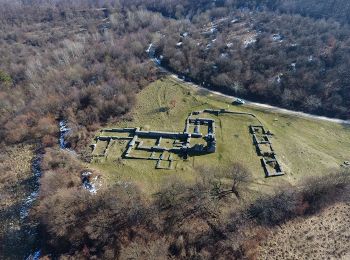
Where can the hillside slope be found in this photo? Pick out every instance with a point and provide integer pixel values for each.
(285, 60)
(304, 145)
(323, 236)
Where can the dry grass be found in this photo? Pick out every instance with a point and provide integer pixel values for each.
(322, 236)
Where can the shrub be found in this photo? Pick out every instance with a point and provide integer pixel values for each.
(5, 78)
(312, 194)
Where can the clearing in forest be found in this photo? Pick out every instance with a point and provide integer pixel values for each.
(304, 146)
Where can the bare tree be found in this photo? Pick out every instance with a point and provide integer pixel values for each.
(238, 176)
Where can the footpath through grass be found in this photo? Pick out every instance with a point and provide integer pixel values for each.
(304, 146)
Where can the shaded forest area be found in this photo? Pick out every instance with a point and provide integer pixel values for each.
(286, 60)
(338, 10)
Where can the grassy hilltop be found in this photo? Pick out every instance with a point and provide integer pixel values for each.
(304, 146)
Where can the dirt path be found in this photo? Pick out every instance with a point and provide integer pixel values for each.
(254, 104)
(265, 106)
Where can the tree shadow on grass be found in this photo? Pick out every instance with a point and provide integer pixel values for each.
(159, 110)
(203, 92)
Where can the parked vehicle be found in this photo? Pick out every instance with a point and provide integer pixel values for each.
(238, 101)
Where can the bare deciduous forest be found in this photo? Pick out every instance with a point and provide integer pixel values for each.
(287, 60)
(85, 61)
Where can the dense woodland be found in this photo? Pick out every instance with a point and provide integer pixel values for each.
(85, 61)
(210, 219)
(77, 63)
(87, 65)
(286, 60)
(80, 65)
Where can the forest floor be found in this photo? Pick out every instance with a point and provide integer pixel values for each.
(304, 145)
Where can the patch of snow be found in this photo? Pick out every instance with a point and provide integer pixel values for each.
(311, 58)
(279, 78)
(229, 45)
(293, 65)
(32, 231)
(149, 48)
(185, 34)
(158, 61)
(24, 210)
(234, 20)
(277, 37)
(28, 202)
(249, 41)
(90, 184)
(35, 256)
(64, 130)
(213, 29)
(224, 55)
(179, 44)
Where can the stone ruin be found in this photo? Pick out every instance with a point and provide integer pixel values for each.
(269, 160)
(346, 164)
(182, 142)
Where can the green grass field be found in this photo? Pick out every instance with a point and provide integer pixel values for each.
(305, 147)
